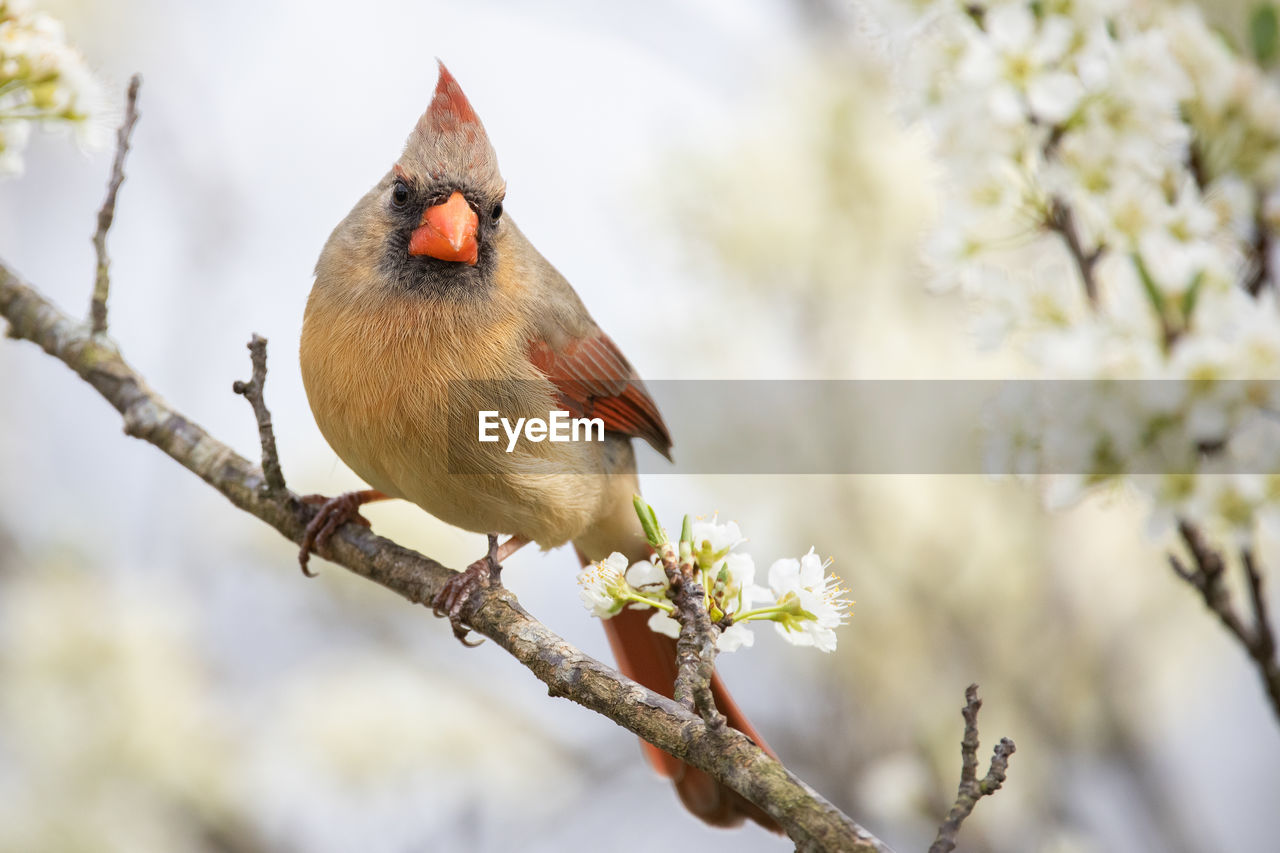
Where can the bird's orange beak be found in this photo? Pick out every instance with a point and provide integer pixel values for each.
(447, 231)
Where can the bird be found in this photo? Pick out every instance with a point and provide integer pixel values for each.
(430, 306)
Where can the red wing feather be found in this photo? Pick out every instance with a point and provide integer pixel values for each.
(595, 380)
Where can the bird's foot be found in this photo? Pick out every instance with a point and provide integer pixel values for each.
(483, 573)
(334, 512)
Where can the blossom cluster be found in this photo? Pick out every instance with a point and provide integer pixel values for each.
(1112, 205)
(43, 80)
(805, 603)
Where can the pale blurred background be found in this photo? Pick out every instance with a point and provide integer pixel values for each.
(168, 680)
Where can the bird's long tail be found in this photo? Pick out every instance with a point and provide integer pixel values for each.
(650, 658)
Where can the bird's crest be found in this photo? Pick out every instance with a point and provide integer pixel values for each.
(449, 142)
(450, 107)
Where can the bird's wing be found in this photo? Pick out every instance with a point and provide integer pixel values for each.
(594, 380)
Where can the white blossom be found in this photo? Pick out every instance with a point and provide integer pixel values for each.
(811, 600)
(715, 536)
(731, 590)
(735, 637)
(662, 623)
(805, 603)
(648, 576)
(603, 586)
(43, 80)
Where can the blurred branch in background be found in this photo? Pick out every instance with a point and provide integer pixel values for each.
(1207, 576)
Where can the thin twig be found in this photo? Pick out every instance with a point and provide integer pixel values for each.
(1206, 575)
(1265, 637)
(102, 281)
(1261, 273)
(1062, 220)
(253, 390)
(971, 787)
(1197, 167)
(696, 645)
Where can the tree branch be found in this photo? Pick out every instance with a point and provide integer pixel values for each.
(1062, 221)
(1260, 273)
(102, 281)
(696, 645)
(971, 788)
(727, 755)
(253, 392)
(1206, 574)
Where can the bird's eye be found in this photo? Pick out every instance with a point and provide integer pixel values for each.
(399, 194)
(496, 213)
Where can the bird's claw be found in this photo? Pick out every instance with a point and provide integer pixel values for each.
(334, 512)
(457, 591)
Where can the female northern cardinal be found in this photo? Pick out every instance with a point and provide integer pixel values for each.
(430, 306)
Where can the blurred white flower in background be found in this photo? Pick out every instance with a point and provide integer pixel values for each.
(1108, 207)
(363, 745)
(115, 707)
(42, 80)
(109, 700)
